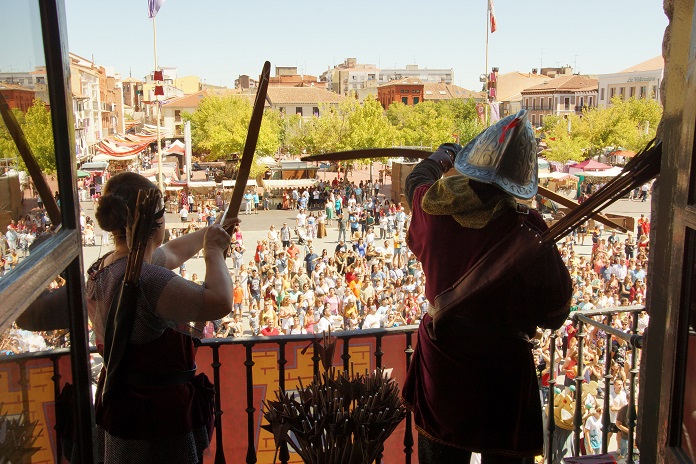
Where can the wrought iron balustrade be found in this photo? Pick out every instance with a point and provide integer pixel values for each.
(247, 370)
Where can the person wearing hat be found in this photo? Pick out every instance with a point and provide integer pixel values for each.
(455, 222)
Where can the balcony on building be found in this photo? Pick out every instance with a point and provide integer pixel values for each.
(249, 370)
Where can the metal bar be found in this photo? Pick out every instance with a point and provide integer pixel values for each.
(408, 433)
(631, 416)
(24, 385)
(249, 363)
(284, 454)
(550, 419)
(633, 339)
(315, 360)
(346, 354)
(606, 420)
(579, 405)
(378, 351)
(219, 439)
(56, 391)
(250, 144)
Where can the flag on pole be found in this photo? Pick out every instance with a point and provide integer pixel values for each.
(495, 111)
(491, 12)
(153, 7)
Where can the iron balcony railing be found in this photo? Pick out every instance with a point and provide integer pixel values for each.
(248, 370)
(634, 341)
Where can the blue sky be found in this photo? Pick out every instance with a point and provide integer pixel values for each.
(220, 39)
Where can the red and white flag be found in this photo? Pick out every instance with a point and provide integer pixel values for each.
(153, 7)
(491, 12)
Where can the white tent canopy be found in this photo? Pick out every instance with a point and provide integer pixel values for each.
(611, 172)
(231, 183)
(105, 157)
(289, 183)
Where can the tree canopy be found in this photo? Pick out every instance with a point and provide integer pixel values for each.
(220, 124)
(38, 130)
(629, 124)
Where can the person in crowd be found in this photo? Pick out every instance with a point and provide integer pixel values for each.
(285, 235)
(455, 221)
(161, 410)
(270, 328)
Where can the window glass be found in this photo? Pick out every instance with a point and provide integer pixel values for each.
(26, 120)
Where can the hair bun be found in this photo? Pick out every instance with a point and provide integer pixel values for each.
(112, 213)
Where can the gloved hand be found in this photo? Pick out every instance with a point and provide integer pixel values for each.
(445, 154)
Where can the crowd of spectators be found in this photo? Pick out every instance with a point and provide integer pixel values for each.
(369, 279)
(614, 275)
(18, 237)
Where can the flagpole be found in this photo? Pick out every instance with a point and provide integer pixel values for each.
(160, 180)
(488, 22)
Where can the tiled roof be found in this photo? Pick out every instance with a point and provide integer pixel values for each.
(510, 85)
(404, 81)
(193, 100)
(276, 96)
(301, 95)
(565, 83)
(8, 86)
(442, 91)
(651, 65)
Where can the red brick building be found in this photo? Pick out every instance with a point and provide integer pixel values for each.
(408, 91)
(17, 96)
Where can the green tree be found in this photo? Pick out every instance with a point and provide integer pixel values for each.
(626, 123)
(369, 126)
(562, 145)
(38, 129)
(220, 125)
(466, 123)
(430, 124)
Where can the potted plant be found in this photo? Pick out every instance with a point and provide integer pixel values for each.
(340, 417)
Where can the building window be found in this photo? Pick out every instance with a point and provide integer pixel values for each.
(612, 93)
(177, 115)
(566, 103)
(298, 111)
(315, 111)
(643, 90)
(631, 92)
(601, 94)
(621, 92)
(541, 120)
(415, 100)
(526, 103)
(404, 100)
(590, 102)
(534, 120)
(550, 102)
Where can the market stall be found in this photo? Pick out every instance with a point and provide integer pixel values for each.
(274, 188)
(560, 182)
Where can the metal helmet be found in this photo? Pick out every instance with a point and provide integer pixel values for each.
(505, 154)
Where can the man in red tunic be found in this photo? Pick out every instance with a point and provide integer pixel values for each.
(472, 384)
